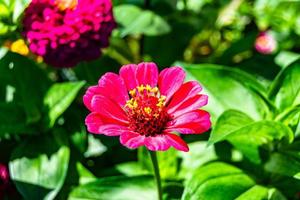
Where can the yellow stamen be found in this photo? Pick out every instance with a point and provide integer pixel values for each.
(161, 101)
(135, 104)
(66, 4)
(141, 88)
(148, 110)
(132, 92)
(154, 90)
(148, 88)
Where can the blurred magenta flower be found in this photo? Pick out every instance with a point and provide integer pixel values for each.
(65, 32)
(147, 108)
(265, 43)
(4, 180)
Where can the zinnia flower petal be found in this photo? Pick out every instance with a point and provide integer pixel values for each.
(108, 108)
(100, 125)
(128, 74)
(108, 83)
(113, 88)
(194, 122)
(147, 74)
(185, 92)
(157, 143)
(170, 80)
(190, 104)
(177, 142)
(88, 96)
(132, 140)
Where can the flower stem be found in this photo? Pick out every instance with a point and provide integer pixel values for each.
(156, 173)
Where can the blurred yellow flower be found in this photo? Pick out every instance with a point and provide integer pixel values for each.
(19, 47)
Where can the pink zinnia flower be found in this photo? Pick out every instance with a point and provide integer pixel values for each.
(65, 32)
(147, 108)
(265, 43)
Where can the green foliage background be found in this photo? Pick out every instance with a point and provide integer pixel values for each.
(252, 151)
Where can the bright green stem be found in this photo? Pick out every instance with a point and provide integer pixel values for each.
(156, 173)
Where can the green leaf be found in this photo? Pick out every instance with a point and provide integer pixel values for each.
(136, 21)
(285, 58)
(285, 90)
(12, 120)
(259, 192)
(286, 162)
(117, 188)
(95, 147)
(216, 181)
(198, 155)
(247, 135)
(58, 98)
(16, 72)
(85, 176)
(229, 122)
(39, 166)
(126, 14)
(131, 169)
(229, 88)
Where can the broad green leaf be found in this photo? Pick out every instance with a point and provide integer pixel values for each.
(247, 135)
(85, 176)
(12, 120)
(198, 155)
(126, 14)
(229, 122)
(290, 117)
(168, 162)
(95, 147)
(39, 166)
(286, 162)
(136, 21)
(117, 188)
(259, 192)
(16, 72)
(58, 98)
(285, 90)
(131, 169)
(285, 58)
(229, 88)
(216, 181)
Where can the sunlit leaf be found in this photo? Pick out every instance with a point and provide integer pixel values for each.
(248, 135)
(136, 21)
(285, 90)
(259, 192)
(39, 166)
(217, 181)
(117, 188)
(58, 99)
